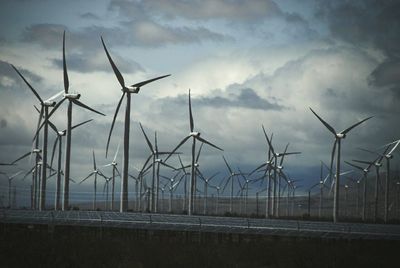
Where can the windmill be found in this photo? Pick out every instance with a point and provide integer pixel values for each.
(195, 136)
(44, 112)
(58, 141)
(365, 172)
(269, 165)
(9, 179)
(206, 185)
(115, 171)
(377, 163)
(276, 155)
(388, 156)
(157, 161)
(218, 188)
(230, 178)
(126, 91)
(95, 172)
(338, 138)
(73, 98)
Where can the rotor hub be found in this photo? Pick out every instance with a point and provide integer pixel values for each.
(194, 134)
(72, 96)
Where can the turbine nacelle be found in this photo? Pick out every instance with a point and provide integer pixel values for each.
(196, 164)
(388, 156)
(131, 89)
(62, 133)
(340, 135)
(158, 160)
(194, 134)
(37, 151)
(49, 103)
(377, 164)
(72, 96)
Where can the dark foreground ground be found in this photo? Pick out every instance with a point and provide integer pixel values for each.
(44, 246)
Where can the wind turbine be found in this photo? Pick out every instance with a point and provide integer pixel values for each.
(10, 178)
(275, 155)
(44, 111)
(365, 172)
(230, 178)
(95, 172)
(157, 161)
(388, 156)
(218, 188)
(195, 136)
(58, 140)
(115, 170)
(126, 91)
(105, 190)
(269, 165)
(338, 138)
(73, 98)
(206, 185)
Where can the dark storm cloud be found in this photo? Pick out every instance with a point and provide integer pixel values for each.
(150, 33)
(368, 23)
(245, 98)
(86, 63)
(6, 71)
(90, 16)
(200, 10)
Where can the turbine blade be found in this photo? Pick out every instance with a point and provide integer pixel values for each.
(364, 162)
(147, 139)
(94, 161)
(198, 153)
(86, 107)
(207, 142)
(20, 158)
(190, 114)
(229, 168)
(52, 126)
(260, 166)
(180, 161)
(29, 85)
(269, 142)
(166, 165)
(284, 153)
(177, 147)
(356, 124)
(113, 122)
(116, 153)
(394, 147)
(331, 129)
(140, 84)
(80, 124)
(227, 181)
(54, 150)
(65, 72)
(354, 166)
(55, 108)
(332, 158)
(114, 67)
(213, 176)
(90, 175)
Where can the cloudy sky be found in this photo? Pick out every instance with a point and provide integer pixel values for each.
(247, 63)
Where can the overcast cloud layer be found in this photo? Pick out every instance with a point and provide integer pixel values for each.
(247, 63)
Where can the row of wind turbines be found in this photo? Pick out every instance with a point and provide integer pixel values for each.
(272, 171)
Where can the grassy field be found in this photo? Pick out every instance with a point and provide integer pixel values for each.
(41, 246)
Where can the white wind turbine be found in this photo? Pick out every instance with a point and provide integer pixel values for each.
(195, 136)
(388, 156)
(338, 138)
(126, 91)
(73, 98)
(95, 172)
(44, 112)
(58, 141)
(115, 171)
(9, 179)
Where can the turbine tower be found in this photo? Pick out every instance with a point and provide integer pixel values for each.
(126, 91)
(338, 138)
